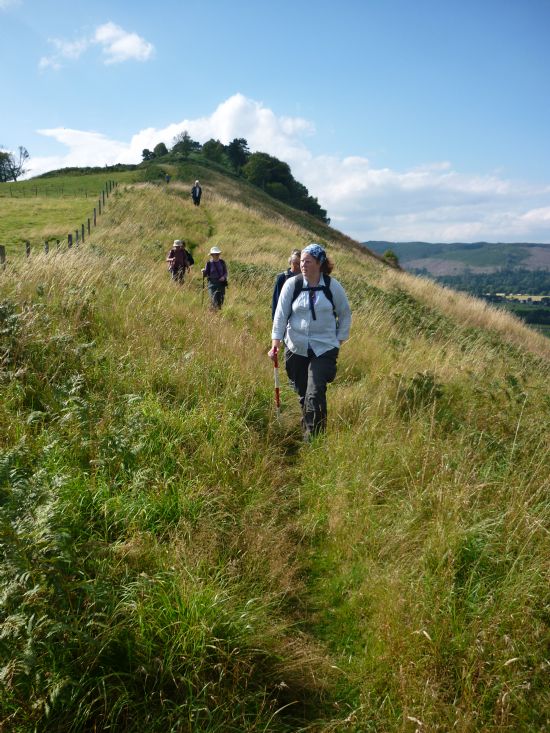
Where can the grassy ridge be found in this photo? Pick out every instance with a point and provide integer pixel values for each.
(175, 560)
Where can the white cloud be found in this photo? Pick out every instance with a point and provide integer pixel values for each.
(49, 62)
(432, 202)
(117, 46)
(65, 50)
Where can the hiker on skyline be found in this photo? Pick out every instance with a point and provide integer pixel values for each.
(215, 271)
(178, 261)
(293, 269)
(313, 317)
(196, 193)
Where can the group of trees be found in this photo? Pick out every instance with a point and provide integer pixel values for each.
(263, 170)
(12, 165)
(233, 156)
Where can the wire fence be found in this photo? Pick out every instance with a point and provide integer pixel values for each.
(20, 192)
(74, 237)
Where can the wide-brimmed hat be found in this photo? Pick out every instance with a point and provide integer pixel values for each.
(178, 243)
(215, 251)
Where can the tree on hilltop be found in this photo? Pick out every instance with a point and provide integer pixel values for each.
(262, 169)
(159, 150)
(184, 144)
(147, 154)
(12, 165)
(238, 153)
(275, 178)
(213, 150)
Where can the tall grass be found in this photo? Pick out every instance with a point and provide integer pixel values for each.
(174, 559)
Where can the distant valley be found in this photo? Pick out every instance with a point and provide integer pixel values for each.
(441, 260)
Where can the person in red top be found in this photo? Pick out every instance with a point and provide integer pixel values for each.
(178, 263)
(215, 271)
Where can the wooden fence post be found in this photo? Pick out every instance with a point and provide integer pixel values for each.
(2, 255)
(95, 216)
(99, 207)
(82, 231)
(76, 238)
(103, 195)
(88, 226)
(69, 241)
(28, 248)
(46, 246)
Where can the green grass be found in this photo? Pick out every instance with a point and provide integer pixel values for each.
(175, 559)
(49, 209)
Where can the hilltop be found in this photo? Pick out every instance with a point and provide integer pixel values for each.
(175, 559)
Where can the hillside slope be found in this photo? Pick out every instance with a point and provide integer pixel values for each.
(176, 560)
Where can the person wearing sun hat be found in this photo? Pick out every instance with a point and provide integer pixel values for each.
(313, 317)
(215, 271)
(178, 261)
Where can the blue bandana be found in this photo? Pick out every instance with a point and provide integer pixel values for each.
(315, 250)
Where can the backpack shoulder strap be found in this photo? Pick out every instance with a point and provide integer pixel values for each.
(298, 286)
(328, 294)
(326, 289)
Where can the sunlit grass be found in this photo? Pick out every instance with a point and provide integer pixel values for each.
(176, 560)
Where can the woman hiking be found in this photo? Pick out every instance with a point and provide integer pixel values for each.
(215, 271)
(178, 261)
(313, 317)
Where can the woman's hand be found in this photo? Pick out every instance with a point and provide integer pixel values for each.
(274, 349)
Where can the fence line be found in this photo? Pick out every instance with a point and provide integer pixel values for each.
(35, 191)
(79, 231)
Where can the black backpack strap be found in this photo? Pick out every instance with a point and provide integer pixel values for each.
(299, 287)
(328, 294)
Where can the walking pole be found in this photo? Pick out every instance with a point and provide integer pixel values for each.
(202, 291)
(276, 379)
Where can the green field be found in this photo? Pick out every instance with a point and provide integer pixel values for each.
(49, 208)
(174, 558)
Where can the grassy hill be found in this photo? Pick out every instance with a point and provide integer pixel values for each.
(175, 560)
(477, 257)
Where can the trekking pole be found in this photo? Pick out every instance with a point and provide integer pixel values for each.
(202, 292)
(276, 380)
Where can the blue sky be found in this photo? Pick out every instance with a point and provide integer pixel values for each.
(408, 120)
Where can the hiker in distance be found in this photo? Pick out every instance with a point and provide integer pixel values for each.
(215, 271)
(282, 277)
(179, 261)
(196, 193)
(313, 317)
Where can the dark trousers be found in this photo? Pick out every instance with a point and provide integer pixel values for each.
(309, 376)
(178, 274)
(216, 290)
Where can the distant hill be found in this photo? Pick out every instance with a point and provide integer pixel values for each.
(440, 259)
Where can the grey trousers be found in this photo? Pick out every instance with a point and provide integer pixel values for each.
(216, 291)
(309, 376)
